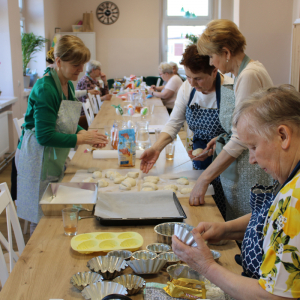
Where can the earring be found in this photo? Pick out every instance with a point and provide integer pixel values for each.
(227, 60)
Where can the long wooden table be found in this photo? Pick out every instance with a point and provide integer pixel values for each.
(47, 263)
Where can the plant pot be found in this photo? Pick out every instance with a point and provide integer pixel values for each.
(26, 79)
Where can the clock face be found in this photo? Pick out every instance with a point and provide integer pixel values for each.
(107, 13)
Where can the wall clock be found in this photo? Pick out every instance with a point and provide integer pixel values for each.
(107, 12)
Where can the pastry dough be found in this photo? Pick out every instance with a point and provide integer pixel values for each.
(183, 181)
(133, 174)
(89, 179)
(148, 189)
(154, 179)
(108, 173)
(102, 183)
(171, 186)
(131, 181)
(174, 191)
(186, 190)
(150, 184)
(119, 179)
(124, 187)
(97, 174)
(197, 151)
(114, 175)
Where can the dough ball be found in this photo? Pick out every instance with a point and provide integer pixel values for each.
(131, 181)
(119, 179)
(124, 187)
(171, 186)
(150, 184)
(183, 181)
(102, 183)
(108, 173)
(154, 179)
(97, 174)
(148, 189)
(114, 175)
(174, 191)
(133, 174)
(89, 179)
(197, 151)
(186, 190)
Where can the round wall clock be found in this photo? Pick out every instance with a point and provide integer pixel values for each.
(107, 12)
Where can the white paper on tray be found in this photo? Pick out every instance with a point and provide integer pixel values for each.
(190, 175)
(158, 204)
(102, 154)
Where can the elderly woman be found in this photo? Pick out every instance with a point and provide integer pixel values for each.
(198, 102)
(225, 45)
(173, 83)
(269, 124)
(50, 127)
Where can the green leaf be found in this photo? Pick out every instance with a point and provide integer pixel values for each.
(296, 260)
(274, 271)
(290, 280)
(288, 248)
(277, 260)
(280, 204)
(273, 237)
(286, 239)
(290, 268)
(286, 204)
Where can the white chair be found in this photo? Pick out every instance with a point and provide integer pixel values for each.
(94, 104)
(18, 124)
(12, 222)
(158, 82)
(88, 111)
(99, 101)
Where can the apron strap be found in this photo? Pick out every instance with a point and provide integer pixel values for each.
(218, 89)
(191, 96)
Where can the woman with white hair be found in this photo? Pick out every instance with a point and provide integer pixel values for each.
(173, 83)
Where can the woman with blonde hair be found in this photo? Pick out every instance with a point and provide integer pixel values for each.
(50, 127)
(225, 45)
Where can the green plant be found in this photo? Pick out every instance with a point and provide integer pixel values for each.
(31, 44)
(193, 38)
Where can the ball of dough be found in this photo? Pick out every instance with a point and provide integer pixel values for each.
(170, 189)
(102, 183)
(131, 181)
(97, 174)
(148, 189)
(183, 181)
(89, 179)
(119, 179)
(150, 184)
(154, 179)
(186, 190)
(171, 186)
(114, 175)
(197, 151)
(108, 173)
(124, 187)
(133, 174)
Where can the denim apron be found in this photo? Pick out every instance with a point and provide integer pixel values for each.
(39, 165)
(205, 124)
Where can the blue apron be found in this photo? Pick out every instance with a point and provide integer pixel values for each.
(205, 124)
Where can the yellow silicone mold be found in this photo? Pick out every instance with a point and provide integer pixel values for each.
(106, 241)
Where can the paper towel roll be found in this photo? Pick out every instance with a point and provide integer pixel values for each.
(101, 154)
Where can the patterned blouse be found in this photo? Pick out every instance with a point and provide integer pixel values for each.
(88, 83)
(280, 269)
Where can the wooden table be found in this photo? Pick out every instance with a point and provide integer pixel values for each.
(47, 263)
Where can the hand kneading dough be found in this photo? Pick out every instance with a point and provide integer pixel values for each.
(183, 181)
(119, 179)
(150, 184)
(97, 174)
(102, 183)
(154, 179)
(89, 179)
(186, 190)
(197, 151)
(148, 189)
(171, 186)
(124, 187)
(131, 181)
(133, 174)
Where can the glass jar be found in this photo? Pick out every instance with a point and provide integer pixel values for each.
(142, 135)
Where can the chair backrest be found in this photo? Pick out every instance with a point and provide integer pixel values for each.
(99, 101)
(88, 111)
(12, 222)
(158, 82)
(94, 104)
(18, 125)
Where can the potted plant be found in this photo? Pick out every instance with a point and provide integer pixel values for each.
(31, 44)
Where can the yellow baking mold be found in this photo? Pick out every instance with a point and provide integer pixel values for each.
(106, 241)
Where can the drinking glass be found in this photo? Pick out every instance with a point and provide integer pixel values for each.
(157, 133)
(170, 150)
(70, 220)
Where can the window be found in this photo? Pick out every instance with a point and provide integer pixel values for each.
(22, 19)
(181, 18)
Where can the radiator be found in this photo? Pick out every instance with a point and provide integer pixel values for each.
(4, 137)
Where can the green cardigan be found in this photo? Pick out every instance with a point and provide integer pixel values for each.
(42, 110)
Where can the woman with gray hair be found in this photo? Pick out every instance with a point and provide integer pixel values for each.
(269, 124)
(173, 83)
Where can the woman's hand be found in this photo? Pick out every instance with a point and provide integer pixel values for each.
(91, 137)
(211, 146)
(94, 92)
(198, 192)
(212, 232)
(202, 157)
(199, 258)
(148, 159)
(151, 91)
(153, 86)
(103, 77)
(106, 97)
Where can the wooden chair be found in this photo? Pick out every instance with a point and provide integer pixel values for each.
(12, 221)
(94, 104)
(88, 111)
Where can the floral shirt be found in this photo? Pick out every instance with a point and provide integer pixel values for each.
(280, 269)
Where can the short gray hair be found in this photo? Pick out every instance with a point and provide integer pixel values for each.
(266, 109)
(174, 65)
(92, 65)
(165, 68)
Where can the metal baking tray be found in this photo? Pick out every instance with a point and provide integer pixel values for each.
(86, 206)
(145, 221)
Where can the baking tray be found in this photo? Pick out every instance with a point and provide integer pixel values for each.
(86, 204)
(145, 221)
